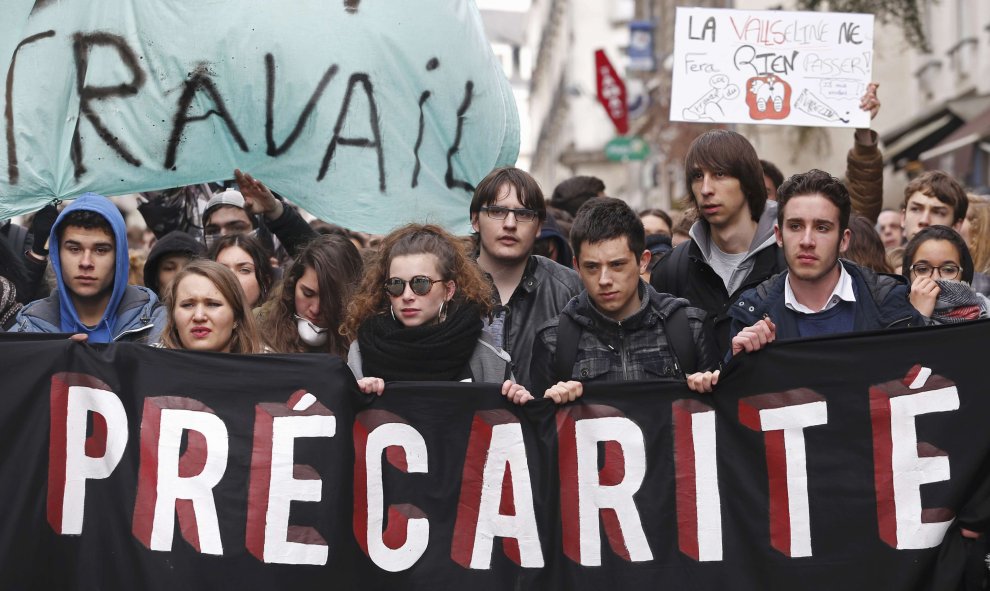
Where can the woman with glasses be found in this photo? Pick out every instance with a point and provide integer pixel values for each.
(417, 316)
(938, 264)
(307, 308)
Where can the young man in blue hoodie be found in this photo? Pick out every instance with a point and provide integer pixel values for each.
(89, 258)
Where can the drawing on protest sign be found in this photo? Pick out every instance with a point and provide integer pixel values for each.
(366, 114)
(775, 67)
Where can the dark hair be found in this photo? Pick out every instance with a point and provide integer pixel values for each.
(260, 256)
(454, 263)
(244, 336)
(938, 233)
(571, 194)
(865, 246)
(657, 212)
(337, 264)
(811, 183)
(941, 186)
(86, 219)
(490, 189)
(770, 169)
(208, 214)
(728, 152)
(12, 267)
(606, 218)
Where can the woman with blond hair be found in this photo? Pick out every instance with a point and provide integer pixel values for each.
(207, 311)
(417, 316)
(976, 231)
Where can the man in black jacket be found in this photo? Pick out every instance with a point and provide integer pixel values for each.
(618, 328)
(507, 211)
(732, 246)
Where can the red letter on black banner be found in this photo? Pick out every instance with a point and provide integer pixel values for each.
(586, 492)
(782, 417)
(496, 496)
(169, 483)
(699, 506)
(902, 463)
(75, 457)
(277, 481)
(404, 541)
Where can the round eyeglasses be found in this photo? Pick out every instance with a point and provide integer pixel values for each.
(420, 284)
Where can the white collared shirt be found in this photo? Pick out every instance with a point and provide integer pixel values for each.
(843, 291)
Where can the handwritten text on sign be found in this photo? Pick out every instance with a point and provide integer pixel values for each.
(782, 68)
(365, 114)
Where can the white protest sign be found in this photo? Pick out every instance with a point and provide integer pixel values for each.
(367, 114)
(774, 67)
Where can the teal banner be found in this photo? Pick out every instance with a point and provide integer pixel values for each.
(365, 113)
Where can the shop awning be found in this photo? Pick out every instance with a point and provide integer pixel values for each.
(930, 128)
(955, 153)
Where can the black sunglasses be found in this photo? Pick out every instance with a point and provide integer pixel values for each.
(420, 284)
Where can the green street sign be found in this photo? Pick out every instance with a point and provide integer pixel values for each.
(627, 148)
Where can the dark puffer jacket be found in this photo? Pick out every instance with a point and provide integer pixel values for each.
(636, 348)
(881, 302)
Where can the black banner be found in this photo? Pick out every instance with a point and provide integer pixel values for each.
(832, 463)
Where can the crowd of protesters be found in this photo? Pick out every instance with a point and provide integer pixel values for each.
(543, 297)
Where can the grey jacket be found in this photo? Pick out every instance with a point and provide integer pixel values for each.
(488, 364)
(140, 316)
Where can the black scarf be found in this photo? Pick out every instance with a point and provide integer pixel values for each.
(422, 353)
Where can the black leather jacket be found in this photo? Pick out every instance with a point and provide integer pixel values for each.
(544, 290)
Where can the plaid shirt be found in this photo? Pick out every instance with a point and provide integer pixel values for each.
(632, 349)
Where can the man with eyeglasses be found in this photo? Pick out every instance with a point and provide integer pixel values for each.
(818, 294)
(507, 211)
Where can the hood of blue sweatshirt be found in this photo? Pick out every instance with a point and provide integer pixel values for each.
(103, 331)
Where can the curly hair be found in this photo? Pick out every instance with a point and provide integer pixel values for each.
(244, 337)
(337, 264)
(454, 263)
(978, 215)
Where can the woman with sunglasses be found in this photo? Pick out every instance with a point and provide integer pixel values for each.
(940, 268)
(417, 316)
(306, 310)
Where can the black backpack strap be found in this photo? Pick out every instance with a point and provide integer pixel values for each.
(672, 269)
(568, 334)
(680, 339)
